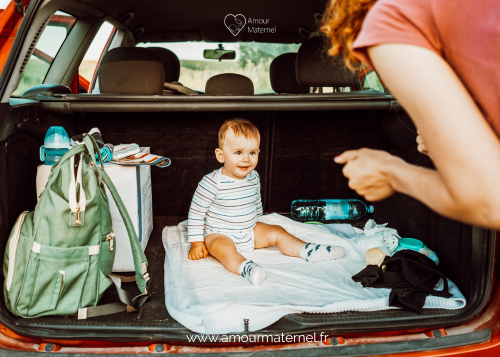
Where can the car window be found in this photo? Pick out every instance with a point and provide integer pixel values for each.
(46, 49)
(4, 4)
(253, 59)
(370, 80)
(89, 63)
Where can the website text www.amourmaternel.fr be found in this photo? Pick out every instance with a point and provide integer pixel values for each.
(315, 337)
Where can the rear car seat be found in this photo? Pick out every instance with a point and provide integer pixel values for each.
(282, 73)
(229, 84)
(171, 63)
(172, 69)
(314, 67)
(132, 71)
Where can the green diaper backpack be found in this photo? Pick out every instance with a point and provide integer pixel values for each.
(58, 258)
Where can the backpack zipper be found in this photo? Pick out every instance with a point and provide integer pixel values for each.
(13, 248)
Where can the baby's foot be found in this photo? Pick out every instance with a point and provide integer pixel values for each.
(252, 272)
(315, 253)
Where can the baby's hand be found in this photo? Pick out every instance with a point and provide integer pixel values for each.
(198, 250)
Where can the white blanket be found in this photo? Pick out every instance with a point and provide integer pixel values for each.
(206, 298)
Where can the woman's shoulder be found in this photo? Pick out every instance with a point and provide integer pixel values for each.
(415, 7)
(398, 21)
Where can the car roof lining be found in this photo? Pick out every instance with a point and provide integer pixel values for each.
(166, 21)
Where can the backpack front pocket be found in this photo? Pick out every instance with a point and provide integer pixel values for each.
(12, 247)
(55, 280)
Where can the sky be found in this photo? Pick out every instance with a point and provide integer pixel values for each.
(95, 49)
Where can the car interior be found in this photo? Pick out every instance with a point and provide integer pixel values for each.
(303, 127)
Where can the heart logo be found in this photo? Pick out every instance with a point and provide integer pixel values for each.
(235, 23)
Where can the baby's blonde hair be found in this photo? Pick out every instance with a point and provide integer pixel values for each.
(239, 126)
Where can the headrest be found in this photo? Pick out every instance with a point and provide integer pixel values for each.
(131, 70)
(282, 74)
(314, 67)
(229, 84)
(171, 63)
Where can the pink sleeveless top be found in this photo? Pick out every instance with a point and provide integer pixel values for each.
(466, 33)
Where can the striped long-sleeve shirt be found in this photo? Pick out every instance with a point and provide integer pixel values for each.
(222, 204)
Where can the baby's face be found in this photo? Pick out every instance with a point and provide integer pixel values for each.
(240, 155)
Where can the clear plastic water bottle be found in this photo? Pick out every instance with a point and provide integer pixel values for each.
(328, 209)
(55, 145)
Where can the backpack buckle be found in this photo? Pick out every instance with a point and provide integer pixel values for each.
(82, 313)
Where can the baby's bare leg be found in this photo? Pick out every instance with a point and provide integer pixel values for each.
(266, 235)
(222, 248)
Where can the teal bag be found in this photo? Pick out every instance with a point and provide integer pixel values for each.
(58, 258)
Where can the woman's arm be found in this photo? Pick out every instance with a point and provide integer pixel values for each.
(464, 148)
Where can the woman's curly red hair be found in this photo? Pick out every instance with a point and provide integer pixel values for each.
(342, 23)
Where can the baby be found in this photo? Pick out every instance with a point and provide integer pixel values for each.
(223, 214)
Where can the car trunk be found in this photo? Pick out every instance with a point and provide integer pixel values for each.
(296, 161)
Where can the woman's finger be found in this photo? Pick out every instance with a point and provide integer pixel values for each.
(421, 148)
(346, 156)
(345, 170)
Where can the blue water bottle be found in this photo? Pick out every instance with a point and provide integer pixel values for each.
(328, 209)
(55, 145)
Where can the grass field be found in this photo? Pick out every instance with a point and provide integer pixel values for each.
(33, 74)
(195, 74)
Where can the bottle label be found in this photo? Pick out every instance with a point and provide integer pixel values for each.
(337, 210)
(309, 210)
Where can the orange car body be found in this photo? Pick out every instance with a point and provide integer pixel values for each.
(487, 320)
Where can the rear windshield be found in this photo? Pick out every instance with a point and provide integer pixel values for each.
(253, 59)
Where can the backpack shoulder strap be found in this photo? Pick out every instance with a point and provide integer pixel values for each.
(140, 262)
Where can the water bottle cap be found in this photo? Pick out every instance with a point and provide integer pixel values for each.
(56, 138)
(371, 209)
(411, 243)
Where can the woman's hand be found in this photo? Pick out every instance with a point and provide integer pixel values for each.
(421, 145)
(369, 172)
(198, 250)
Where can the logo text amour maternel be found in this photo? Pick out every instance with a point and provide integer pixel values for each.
(262, 29)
